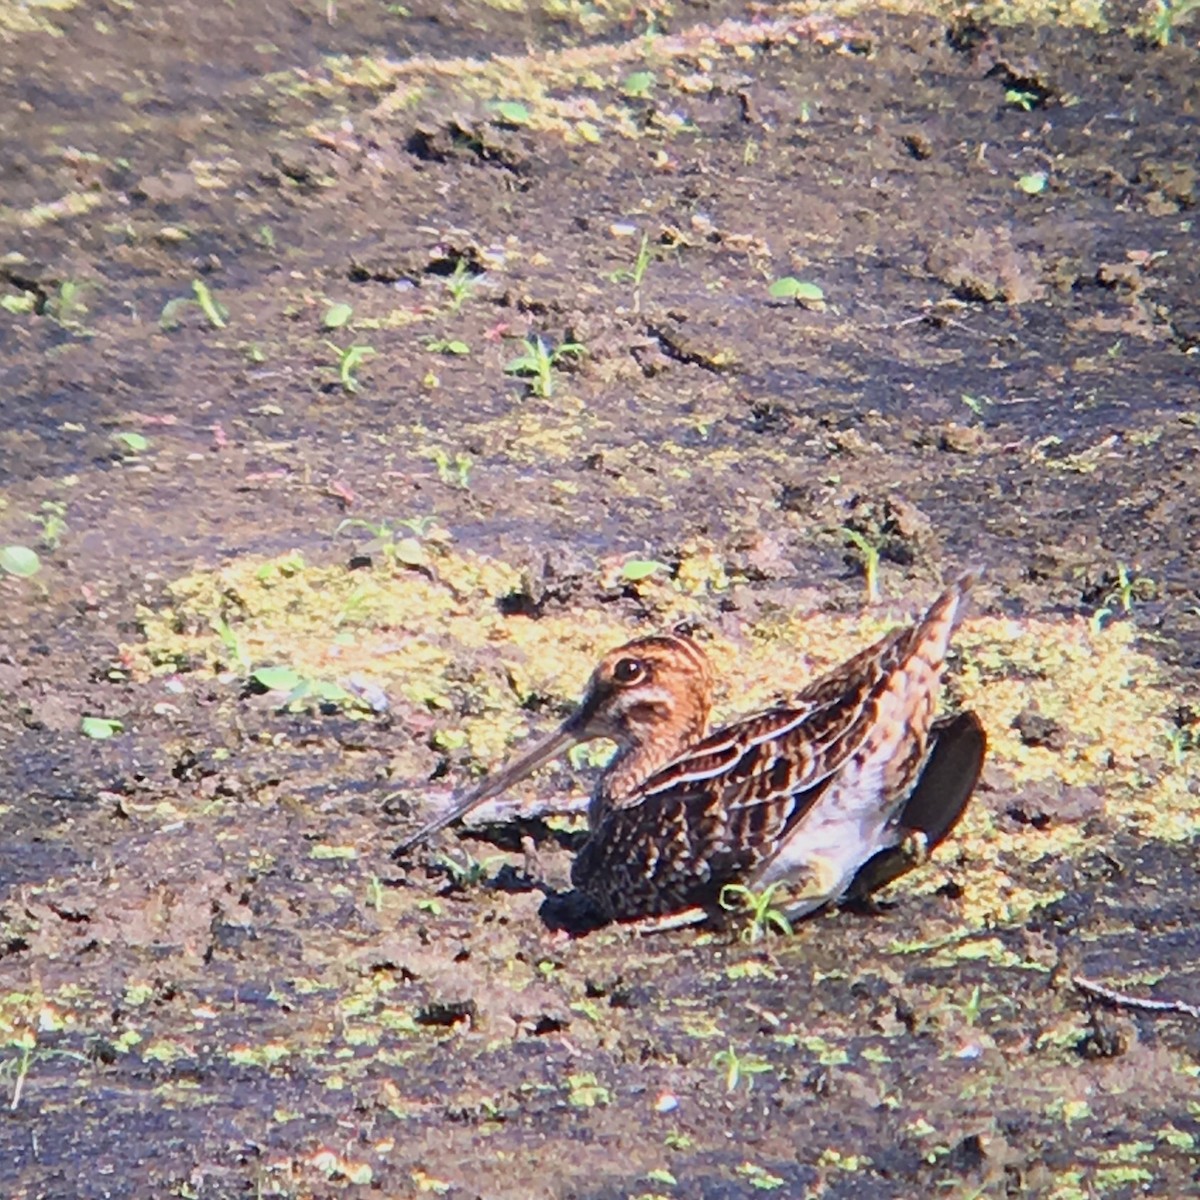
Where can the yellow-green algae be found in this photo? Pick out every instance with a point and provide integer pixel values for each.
(436, 638)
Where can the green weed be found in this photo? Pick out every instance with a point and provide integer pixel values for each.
(235, 646)
(764, 918)
(1165, 18)
(739, 1069)
(300, 691)
(348, 362)
(1129, 589)
(460, 285)
(538, 363)
(20, 561)
(870, 558)
(447, 346)
(637, 272)
(396, 550)
(202, 297)
(454, 472)
(465, 871)
(52, 517)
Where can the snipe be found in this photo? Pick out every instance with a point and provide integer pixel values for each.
(833, 793)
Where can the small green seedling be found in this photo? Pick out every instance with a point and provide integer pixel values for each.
(1181, 741)
(538, 363)
(235, 646)
(460, 284)
(20, 561)
(1129, 589)
(214, 312)
(19, 305)
(398, 551)
(1026, 101)
(802, 291)
(454, 472)
(511, 112)
(870, 556)
(100, 728)
(68, 308)
(447, 346)
(465, 871)
(739, 1069)
(638, 84)
(52, 516)
(202, 297)
(337, 315)
(1166, 17)
(638, 569)
(348, 362)
(301, 690)
(764, 918)
(132, 443)
(637, 272)
(1033, 184)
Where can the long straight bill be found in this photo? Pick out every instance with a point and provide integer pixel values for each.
(561, 740)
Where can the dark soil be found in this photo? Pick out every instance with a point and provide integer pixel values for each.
(214, 981)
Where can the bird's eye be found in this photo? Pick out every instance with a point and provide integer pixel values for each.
(628, 670)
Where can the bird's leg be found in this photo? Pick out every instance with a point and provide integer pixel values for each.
(910, 850)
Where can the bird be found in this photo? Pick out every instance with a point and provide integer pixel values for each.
(830, 794)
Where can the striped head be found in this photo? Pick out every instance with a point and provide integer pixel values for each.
(651, 696)
(649, 688)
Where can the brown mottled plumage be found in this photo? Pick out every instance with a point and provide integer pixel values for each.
(819, 793)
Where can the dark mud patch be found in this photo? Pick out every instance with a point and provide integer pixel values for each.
(213, 979)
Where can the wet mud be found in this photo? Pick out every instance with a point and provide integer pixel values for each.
(368, 370)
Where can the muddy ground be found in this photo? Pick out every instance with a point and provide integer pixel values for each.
(291, 593)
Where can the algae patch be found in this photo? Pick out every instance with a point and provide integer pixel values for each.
(436, 640)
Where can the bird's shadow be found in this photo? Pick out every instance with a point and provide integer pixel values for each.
(561, 912)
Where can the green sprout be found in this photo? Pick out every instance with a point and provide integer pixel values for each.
(764, 918)
(465, 871)
(637, 272)
(301, 690)
(337, 315)
(348, 362)
(870, 557)
(1128, 589)
(1181, 741)
(1165, 19)
(68, 308)
(460, 284)
(213, 312)
(803, 292)
(52, 518)
(739, 1069)
(447, 346)
(100, 729)
(454, 472)
(24, 1042)
(20, 561)
(1021, 98)
(398, 551)
(202, 296)
(235, 646)
(539, 361)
